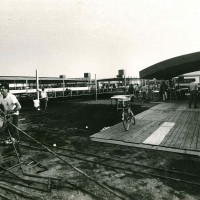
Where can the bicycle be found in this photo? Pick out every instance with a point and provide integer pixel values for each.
(127, 116)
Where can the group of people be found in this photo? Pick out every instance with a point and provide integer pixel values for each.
(164, 91)
(136, 89)
(9, 113)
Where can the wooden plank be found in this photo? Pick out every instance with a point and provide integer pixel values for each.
(121, 132)
(184, 131)
(152, 147)
(169, 117)
(119, 129)
(198, 139)
(177, 115)
(133, 129)
(169, 137)
(182, 106)
(156, 115)
(188, 132)
(106, 133)
(133, 132)
(157, 136)
(198, 135)
(149, 131)
(173, 134)
(138, 137)
(143, 114)
(191, 132)
(178, 129)
(163, 106)
(195, 135)
(173, 116)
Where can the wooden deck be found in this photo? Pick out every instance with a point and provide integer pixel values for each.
(168, 126)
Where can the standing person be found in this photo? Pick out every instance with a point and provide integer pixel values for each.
(131, 92)
(193, 93)
(163, 90)
(144, 92)
(11, 106)
(131, 89)
(150, 92)
(137, 90)
(44, 99)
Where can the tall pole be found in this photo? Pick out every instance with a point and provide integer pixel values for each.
(124, 84)
(63, 86)
(26, 86)
(96, 86)
(37, 85)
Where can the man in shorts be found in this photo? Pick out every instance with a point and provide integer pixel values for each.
(11, 106)
(44, 99)
(193, 93)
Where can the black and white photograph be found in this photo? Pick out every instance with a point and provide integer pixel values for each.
(100, 99)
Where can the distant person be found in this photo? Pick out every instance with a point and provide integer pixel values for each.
(131, 89)
(163, 90)
(193, 86)
(11, 106)
(178, 91)
(137, 91)
(131, 92)
(44, 99)
(144, 92)
(150, 91)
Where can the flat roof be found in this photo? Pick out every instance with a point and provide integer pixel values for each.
(18, 78)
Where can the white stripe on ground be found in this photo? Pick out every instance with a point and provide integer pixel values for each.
(157, 137)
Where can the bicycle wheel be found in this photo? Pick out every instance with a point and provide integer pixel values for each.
(126, 121)
(132, 117)
(133, 120)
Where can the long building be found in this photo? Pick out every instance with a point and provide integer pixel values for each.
(55, 86)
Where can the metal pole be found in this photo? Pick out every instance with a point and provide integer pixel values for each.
(37, 85)
(124, 84)
(88, 85)
(96, 86)
(26, 86)
(63, 87)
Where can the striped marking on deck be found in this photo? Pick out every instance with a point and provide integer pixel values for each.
(157, 137)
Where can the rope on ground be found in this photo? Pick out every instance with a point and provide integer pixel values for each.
(72, 166)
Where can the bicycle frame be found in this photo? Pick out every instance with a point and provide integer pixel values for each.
(127, 115)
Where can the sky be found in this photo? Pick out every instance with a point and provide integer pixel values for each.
(73, 37)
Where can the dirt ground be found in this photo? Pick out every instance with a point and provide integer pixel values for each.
(68, 125)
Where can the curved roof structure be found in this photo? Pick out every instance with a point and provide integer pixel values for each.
(172, 67)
